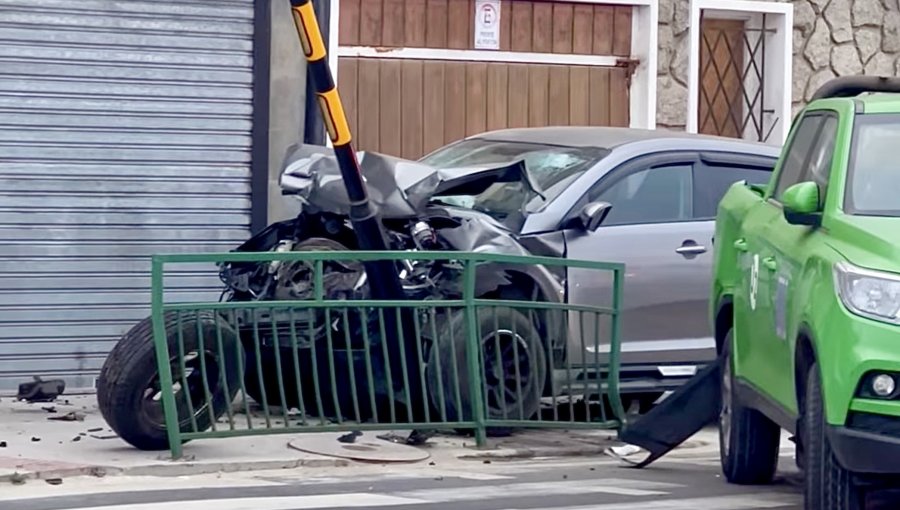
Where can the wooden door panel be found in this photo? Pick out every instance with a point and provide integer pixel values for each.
(409, 108)
(525, 25)
(721, 101)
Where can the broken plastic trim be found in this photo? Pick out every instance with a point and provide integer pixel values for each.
(682, 414)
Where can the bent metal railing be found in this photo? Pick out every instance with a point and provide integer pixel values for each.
(238, 368)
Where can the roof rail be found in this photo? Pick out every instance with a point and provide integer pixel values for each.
(850, 86)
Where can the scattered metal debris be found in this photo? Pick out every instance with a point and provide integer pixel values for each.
(54, 481)
(76, 439)
(70, 416)
(35, 439)
(40, 390)
(104, 436)
(349, 438)
(97, 429)
(415, 438)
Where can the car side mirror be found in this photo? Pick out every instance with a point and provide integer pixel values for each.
(593, 214)
(801, 204)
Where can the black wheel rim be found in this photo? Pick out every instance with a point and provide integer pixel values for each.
(507, 373)
(151, 407)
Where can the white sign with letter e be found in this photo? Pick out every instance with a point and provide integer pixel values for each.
(487, 24)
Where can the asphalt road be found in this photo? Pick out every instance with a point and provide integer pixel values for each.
(573, 484)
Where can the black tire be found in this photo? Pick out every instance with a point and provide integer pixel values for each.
(128, 385)
(748, 440)
(518, 336)
(827, 485)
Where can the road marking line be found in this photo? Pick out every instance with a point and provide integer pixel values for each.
(738, 502)
(609, 486)
(318, 501)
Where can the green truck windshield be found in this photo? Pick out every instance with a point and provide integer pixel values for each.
(874, 170)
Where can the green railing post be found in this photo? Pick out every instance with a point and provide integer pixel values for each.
(473, 354)
(615, 398)
(170, 410)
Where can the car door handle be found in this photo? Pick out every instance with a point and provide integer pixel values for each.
(741, 245)
(691, 249)
(770, 263)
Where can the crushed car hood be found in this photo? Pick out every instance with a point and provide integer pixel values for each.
(398, 188)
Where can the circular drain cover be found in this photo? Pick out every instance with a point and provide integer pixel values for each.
(366, 448)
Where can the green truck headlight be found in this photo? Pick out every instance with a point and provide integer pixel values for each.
(871, 294)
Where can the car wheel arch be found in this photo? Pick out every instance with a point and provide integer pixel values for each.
(723, 322)
(805, 358)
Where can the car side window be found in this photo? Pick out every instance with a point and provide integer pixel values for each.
(819, 167)
(797, 155)
(711, 182)
(659, 194)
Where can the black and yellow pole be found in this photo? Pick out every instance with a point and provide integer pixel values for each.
(382, 276)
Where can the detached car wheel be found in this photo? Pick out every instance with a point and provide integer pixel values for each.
(514, 371)
(128, 388)
(748, 440)
(827, 485)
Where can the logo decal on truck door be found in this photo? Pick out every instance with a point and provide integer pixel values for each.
(754, 281)
(781, 307)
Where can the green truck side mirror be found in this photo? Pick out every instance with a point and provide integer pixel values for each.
(801, 204)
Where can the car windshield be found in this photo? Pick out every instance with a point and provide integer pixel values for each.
(552, 168)
(874, 172)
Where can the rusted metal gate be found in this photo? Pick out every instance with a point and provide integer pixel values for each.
(732, 75)
(559, 63)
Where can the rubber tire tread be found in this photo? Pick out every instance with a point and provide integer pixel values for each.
(136, 350)
(752, 457)
(456, 322)
(827, 485)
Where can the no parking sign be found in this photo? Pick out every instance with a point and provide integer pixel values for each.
(487, 24)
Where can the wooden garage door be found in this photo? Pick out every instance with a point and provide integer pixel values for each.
(409, 107)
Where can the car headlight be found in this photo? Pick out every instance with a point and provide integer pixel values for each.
(868, 293)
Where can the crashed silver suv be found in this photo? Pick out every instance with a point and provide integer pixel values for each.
(644, 198)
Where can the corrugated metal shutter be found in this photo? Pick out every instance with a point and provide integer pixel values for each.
(124, 131)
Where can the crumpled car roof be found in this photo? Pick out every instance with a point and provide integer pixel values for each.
(397, 187)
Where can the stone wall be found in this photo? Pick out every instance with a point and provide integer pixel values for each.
(830, 38)
(672, 71)
(842, 37)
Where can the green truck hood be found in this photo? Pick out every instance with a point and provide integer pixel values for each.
(868, 241)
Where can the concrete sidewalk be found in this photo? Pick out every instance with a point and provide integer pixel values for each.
(33, 446)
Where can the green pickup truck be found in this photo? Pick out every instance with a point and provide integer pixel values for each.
(806, 301)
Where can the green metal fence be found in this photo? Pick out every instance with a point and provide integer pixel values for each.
(236, 368)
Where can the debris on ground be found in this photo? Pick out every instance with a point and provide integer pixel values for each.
(2, 444)
(349, 438)
(70, 416)
(54, 481)
(625, 453)
(40, 390)
(97, 429)
(49, 409)
(104, 436)
(35, 439)
(76, 439)
(17, 478)
(416, 438)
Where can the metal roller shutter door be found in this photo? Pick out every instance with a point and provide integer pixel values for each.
(124, 131)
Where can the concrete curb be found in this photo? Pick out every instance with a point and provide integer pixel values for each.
(181, 468)
(173, 469)
(15, 476)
